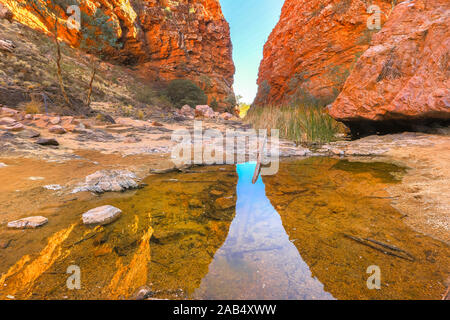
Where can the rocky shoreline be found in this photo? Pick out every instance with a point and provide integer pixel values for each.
(92, 157)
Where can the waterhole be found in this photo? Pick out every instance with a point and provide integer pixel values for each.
(311, 231)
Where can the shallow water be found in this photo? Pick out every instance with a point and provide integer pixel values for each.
(257, 250)
(211, 234)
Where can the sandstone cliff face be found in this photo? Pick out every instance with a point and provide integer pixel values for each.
(313, 47)
(161, 39)
(404, 76)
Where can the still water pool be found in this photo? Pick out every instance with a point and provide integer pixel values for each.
(309, 232)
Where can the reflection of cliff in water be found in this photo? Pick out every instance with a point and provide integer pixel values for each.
(164, 239)
(257, 260)
(321, 199)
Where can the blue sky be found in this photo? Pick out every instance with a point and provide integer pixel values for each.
(251, 22)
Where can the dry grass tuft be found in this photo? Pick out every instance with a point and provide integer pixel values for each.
(300, 123)
(33, 107)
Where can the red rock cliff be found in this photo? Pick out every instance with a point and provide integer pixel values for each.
(163, 39)
(313, 47)
(404, 76)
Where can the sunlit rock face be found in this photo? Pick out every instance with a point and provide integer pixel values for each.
(313, 48)
(161, 39)
(404, 76)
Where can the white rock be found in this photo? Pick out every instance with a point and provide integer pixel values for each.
(186, 111)
(205, 111)
(2, 165)
(101, 215)
(28, 223)
(108, 180)
(36, 178)
(53, 187)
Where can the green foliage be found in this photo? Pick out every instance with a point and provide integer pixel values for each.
(214, 105)
(230, 102)
(205, 82)
(265, 89)
(98, 32)
(183, 91)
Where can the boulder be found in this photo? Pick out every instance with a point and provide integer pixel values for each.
(16, 127)
(7, 121)
(187, 111)
(204, 111)
(55, 120)
(101, 215)
(108, 180)
(29, 133)
(226, 116)
(28, 223)
(57, 129)
(9, 111)
(47, 142)
(2, 165)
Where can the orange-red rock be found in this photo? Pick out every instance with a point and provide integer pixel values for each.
(313, 47)
(404, 76)
(162, 39)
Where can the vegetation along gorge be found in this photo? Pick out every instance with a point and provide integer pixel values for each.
(134, 164)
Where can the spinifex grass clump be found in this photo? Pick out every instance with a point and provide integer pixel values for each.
(301, 123)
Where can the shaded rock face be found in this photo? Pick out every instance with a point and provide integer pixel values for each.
(313, 48)
(162, 39)
(402, 80)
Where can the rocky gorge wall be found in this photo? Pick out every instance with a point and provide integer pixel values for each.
(402, 80)
(392, 79)
(313, 48)
(160, 39)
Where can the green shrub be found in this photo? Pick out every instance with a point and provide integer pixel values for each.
(214, 105)
(183, 91)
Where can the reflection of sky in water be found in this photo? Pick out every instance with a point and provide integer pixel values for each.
(257, 260)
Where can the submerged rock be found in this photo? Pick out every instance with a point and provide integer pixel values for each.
(101, 215)
(28, 223)
(225, 203)
(109, 180)
(143, 293)
(5, 243)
